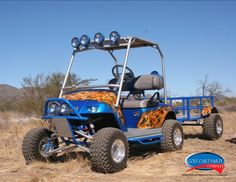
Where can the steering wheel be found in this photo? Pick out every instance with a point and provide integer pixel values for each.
(129, 74)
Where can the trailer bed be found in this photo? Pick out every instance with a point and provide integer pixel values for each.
(191, 108)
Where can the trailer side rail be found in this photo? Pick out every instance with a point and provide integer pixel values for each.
(190, 108)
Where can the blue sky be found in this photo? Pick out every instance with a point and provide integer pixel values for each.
(197, 38)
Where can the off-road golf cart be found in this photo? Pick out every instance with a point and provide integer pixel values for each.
(98, 120)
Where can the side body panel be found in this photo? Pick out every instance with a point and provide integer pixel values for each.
(152, 117)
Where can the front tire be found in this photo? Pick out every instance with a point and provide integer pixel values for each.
(213, 127)
(34, 145)
(109, 151)
(173, 136)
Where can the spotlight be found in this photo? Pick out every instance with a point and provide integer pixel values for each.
(99, 38)
(114, 37)
(85, 40)
(75, 42)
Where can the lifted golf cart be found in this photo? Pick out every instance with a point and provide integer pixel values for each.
(98, 120)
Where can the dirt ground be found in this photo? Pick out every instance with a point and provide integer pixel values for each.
(144, 164)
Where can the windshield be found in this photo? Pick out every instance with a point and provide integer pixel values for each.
(96, 65)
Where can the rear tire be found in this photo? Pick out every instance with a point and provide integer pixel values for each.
(213, 127)
(34, 142)
(109, 150)
(173, 136)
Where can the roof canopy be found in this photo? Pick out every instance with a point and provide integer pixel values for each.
(122, 44)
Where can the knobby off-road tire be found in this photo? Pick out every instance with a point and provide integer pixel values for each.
(32, 145)
(173, 136)
(109, 151)
(213, 127)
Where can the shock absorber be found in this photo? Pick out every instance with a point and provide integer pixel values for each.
(91, 126)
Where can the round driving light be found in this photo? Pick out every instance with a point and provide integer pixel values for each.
(53, 108)
(75, 42)
(114, 37)
(85, 40)
(99, 38)
(64, 108)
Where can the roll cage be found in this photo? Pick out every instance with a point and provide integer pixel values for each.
(123, 43)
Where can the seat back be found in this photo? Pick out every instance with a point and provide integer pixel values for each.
(149, 82)
(143, 82)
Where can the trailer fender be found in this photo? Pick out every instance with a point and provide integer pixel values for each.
(207, 110)
(214, 110)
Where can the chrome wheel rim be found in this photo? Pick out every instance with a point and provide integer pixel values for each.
(118, 151)
(219, 126)
(43, 148)
(177, 136)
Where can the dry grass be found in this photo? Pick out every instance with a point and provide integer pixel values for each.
(145, 164)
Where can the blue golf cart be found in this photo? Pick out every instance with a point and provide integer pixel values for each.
(100, 120)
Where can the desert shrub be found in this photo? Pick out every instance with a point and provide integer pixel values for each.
(230, 108)
(36, 90)
(9, 105)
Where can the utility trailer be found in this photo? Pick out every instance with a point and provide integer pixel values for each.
(198, 111)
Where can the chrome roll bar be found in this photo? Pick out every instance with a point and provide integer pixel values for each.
(124, 43)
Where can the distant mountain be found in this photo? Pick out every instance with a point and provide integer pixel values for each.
(8, 92)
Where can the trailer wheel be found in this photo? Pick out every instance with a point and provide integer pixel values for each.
(109, 150)
(36, 143)
(213, 127)
(173, 136)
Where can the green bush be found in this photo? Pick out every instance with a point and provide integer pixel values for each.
(38, 89)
